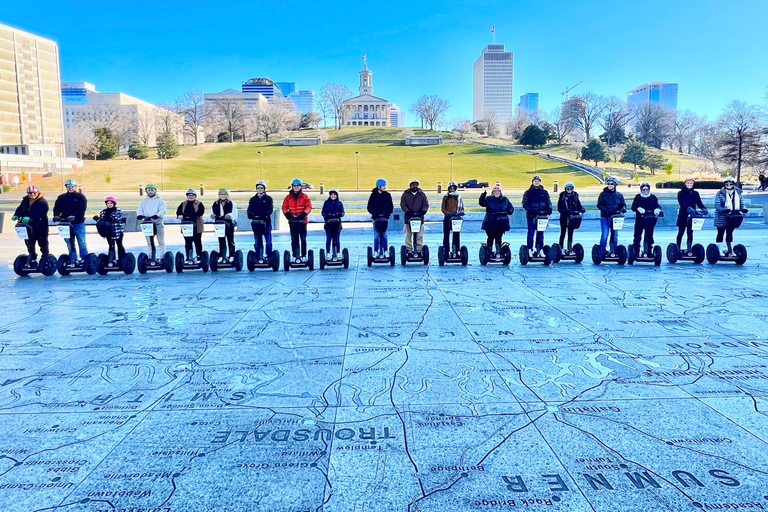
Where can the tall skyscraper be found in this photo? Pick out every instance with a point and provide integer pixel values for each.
(493, 78)
(662, 93)
(264, 86)
(529, 102)
(303, 101)
(286, 88)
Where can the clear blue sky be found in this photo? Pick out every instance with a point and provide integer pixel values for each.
(716, 50)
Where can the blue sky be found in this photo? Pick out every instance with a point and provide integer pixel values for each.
(716, 50)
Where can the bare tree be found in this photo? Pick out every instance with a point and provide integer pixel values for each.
(80, 139)
(614, 120)
(685, 125)
(325, 110)
(653, 124)
(419, 109)
(585, 111)
(740, 140)
(112, 117)
(231, 117)
(537, 117)
(274, 119)
(169, 119)
(490, 120)
(463, 126)
(705, 144)
(145, 125)
(191, 105)
(335, 95)
(561, 125)
(431, 110)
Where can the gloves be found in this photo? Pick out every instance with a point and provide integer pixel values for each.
(180, 217)
(14, 218)
(228, 216)
(640, 210)
(657, 211)
(25, 220)
(704, 212)
(583, 210)
(155, 217)
(56, 219)
(213, 216)
(96, 217)
(71, 218)
(623, 210)
(691, 211)
(301, 216)
(743, 210)
(139, 217)
(725, 211)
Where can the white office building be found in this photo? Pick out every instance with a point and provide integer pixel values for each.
(662, 93)
(493, 78)
(396, 116)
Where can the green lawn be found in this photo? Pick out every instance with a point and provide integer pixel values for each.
(366, 133)
(236, 166)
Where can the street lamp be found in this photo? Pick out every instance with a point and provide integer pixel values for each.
(261, 175)
(357, 160)
(451, 155)
(161, 154)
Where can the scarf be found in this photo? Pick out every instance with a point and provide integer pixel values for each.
(645, 195)
(732, 200)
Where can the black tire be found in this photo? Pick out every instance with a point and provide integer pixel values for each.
(141, 263)
(62, 263)
(47, 265)
(506, 253)
(657, 255)
(168, 262)
(741, 254)
(345, 258)
(251, 261)
(597, 254)
(425, 254)
(90, 264)
(464, 255)
(484, 255)
(441, 256)
(322, 259)
(547, 256)
(621, 252)
(713, 254)
(101, 264)
(275, 260)
(179, 263)
(239, 260)
(578, 250)
(523, 255)
(129, 263)
(286, 261)
(630, 255)
(403, 255)
(555, 253)
(392, 256)
(214, 261)
(369, 255)
(699, 253)
(205, 261)
(18, 265)
(673, 253)
(311, 259)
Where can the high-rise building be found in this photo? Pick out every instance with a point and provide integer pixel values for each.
(303, 101)
(76, 93)
(493, 78)
(662, 93)
(263, 86)
(529, 102)
(286, 88)
(396, 116)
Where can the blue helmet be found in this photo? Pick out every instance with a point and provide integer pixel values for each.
(569, 184)
(70, 183)
(381, 182)
(297, 181)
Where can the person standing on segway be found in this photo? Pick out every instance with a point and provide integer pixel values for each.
(192, 210)
(333, 208)
(33, 211)
(260, 207)
(113, 217)
(727, 201)
(688, 199)
(70, 207)
(494, 223)
(536, 203)
(224, 209)
(380, 206)
(152, 207)
(644, 204)
(610, 202)
(452, 205)
(568, 204)
(414, 203)
(297, 207)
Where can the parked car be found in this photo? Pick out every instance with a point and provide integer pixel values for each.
(473, 184)
(304, 186)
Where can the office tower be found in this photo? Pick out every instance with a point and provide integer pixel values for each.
(493, 77)
(662, 93)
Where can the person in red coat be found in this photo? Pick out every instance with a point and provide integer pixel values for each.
(296, 208)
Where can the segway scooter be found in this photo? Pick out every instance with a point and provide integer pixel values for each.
(218, 261)
(258, 259)
(189, 261)
(648, 254)
(146, 263)
(64, 264)
(332, 259)
(572, 252)
(380, 225)
(696, 253)
(458, 253)
(542, 253)
(106, 263)
(599, 254)
(414, 256)
(24, 264)
(503, 254)
(289, 263)
(737, 254)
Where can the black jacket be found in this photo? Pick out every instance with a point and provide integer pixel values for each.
(493, 206)
(649, 203)
(536, 202)
(261, 208)
(37, 213)
(569, 204)
(380, 204)
(611, 203)
(687, 198)
(71, 204)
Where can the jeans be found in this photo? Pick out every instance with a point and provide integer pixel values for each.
(332, 239)
(564, 228)
(531, 232)
(261, 242)
(727, 231)
(605, 231)
(380, 242)
(78, 233)
(447, 236)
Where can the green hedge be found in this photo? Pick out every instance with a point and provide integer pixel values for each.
(708, 184)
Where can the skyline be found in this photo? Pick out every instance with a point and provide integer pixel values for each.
(312, 45)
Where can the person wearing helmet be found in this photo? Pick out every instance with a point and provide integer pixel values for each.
(260, 207)
(333, 208)
(152, 207)
(33, 211)
(644, 204)
(610, 202)
(414, 203)
(192, 210)
(452, 205)
(688, 199)
(224, 209)
(568, 204)
(727, 201)
(536, 203)
(496, 221)
(297, 206)
(70, 207)
(380, 206)
(112, 218)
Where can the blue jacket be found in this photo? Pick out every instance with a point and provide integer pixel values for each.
(333, 209)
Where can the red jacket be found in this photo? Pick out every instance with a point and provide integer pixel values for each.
(297, 205)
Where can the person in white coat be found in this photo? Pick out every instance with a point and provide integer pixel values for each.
(152, 207)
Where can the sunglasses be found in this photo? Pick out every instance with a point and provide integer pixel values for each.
(294, 186)
(729, 184)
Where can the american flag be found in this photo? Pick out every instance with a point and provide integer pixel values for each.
(493, 30)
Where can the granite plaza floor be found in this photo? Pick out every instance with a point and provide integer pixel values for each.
(572, 387)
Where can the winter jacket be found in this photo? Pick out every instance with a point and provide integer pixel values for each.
(413, 204)
(151, 206)
(611, 203)
(70, 204)
(261, 208)
(649, 204)
(192, 211)
(333, 209)
(569, 204)
(220, 209)
(297, 204)
(494, 205)
(687, 198)
(114, 216)
(452, 205)
(37, 212)
(380, 204)
(536, 202)
(720, 218)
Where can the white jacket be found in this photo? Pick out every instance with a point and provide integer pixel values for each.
(151, 206)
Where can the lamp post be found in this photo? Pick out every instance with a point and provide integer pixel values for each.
(261, 174)
(451, 155)
(61, 163)
(357, 161)
(161, 154)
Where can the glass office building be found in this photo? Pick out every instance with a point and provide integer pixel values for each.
(264, 86)
(529, 102)
(662, 93)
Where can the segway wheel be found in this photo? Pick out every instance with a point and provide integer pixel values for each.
(555, 253)
(547, 256)
(673, 253)
(441, 255)
(62, 263)
(484, 255)
(345, 257)
(425, 254)
(403, 255)
(101, 264)
(369, 255)
(464, 255)
(391, 256)
(656, 255)
(18, 265)
(141, 263)
(630, 255)
(322, 259)
(713, 254)
(205, 261)
(523, 255)
(129, 263)
(90, 264)
(597, 254)
(168, 262)
(286, 261)
(251, 261)
(578, 250)
(48, 265)
(275, 261)
(238, 263)
(179, 263)
(741, 254)
(621, 252)
(311, 259)
(214, 261)
(698, 253)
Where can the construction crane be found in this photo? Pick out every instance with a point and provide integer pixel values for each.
(570, 89)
